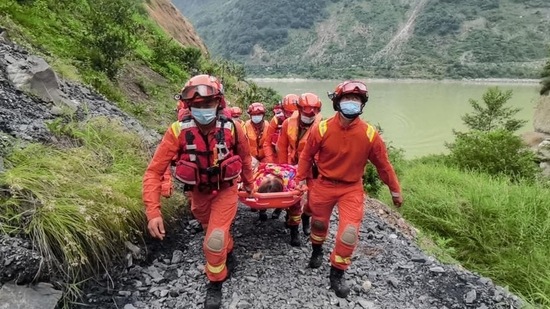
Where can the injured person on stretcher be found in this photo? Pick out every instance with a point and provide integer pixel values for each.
(272, 178)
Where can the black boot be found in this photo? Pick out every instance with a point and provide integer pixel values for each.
(294, 236)
(338, 283)
(263, 215)
(230, 263)
(305, 224)
(213, 298)
(286, 220)
(316, 259)
(276, 213)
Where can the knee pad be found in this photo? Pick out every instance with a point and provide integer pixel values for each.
(349, 236)
(215, 241)
(318, 225)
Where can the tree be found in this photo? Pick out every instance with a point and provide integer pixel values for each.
(493, 114)
(109, 33)
(491, 146)
(545, 82)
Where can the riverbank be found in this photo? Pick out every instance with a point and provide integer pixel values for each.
(479, 81)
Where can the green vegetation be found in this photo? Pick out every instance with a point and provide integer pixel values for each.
(488, 224)
(79, 204)
(343, 38)
(252, 22)
(480, 204)
(491, 146)
(545, 79)
(115, 50)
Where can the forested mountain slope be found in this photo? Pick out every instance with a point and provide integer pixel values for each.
(381, 38)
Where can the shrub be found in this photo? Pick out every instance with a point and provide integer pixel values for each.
(545, 81)
(110, 31)
(496, 152)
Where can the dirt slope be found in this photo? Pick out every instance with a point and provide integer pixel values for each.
(173, 22)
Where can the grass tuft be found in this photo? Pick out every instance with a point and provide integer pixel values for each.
(80, 204)
(496, 228)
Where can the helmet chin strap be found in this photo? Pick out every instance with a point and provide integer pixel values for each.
(350, 117)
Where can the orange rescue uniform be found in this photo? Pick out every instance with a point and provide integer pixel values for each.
(214, 211)
(293, 139)
(270, 142)
(291, 142)
(256, 138)
(343, 153)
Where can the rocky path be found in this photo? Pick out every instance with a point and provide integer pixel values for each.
(388, 271)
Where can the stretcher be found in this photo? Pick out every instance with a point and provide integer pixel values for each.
(270, 200)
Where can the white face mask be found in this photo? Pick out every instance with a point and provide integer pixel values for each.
(257, 118)
(307, 120)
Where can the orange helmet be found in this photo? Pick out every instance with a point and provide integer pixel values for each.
(349, 87)
(309, 103)
(236, 112)
(256, 108)
(201, 88)
(290, 103)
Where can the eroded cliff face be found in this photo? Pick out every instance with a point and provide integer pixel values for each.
(169, 18)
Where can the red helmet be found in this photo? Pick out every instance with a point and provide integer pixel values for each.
(349, 87)
(256, 108)
(277, 108)
(200, 88)
(309, 103)
(290, 103)
(236, 112)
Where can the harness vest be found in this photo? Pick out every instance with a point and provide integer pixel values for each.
(297, 143)
(205, 162)
(256, 139)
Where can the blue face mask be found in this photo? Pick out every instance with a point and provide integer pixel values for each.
(257, 118)
(204, 115)
(350, 109)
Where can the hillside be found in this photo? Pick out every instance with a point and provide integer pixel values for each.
(397, 38)
(170, 19)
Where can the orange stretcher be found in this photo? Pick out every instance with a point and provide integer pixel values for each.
(270, 200)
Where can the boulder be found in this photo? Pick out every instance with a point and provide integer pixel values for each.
(35, 75)
(40, 296)
(543, 151)
(541, 120)
(533, 139)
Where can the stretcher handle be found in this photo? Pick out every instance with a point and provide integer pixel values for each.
(272, 195)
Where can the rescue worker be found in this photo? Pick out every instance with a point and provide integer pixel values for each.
(281, 112)
(166, 180)
(182, 110)
(255, 130)
(212, 151)
(273, 132)
(236, 113)
(344, 144)
(294, 134)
